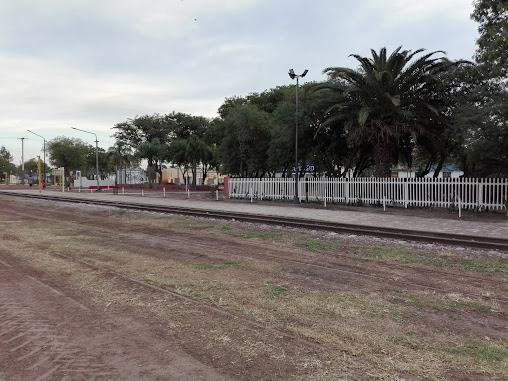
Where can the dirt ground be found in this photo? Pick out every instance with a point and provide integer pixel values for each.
(94, 293)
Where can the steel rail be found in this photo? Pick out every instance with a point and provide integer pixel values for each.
(384, 232)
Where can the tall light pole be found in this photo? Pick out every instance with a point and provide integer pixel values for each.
(22, 160)
(96, 155)
(292, 75)
(44, 152)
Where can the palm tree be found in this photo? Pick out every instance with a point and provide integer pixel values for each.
(120, 155)
(152, 152)
(191, 150)
(387, 98)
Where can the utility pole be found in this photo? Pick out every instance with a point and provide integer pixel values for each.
(44, 152)
(22, 161)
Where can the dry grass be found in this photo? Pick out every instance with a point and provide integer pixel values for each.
(379, 335)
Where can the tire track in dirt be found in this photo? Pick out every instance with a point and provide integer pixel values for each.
(47, 335)
(28, 340)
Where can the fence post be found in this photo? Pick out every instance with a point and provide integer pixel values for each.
(406, 194)
(226, 186)
(251, 194)
(480, 193)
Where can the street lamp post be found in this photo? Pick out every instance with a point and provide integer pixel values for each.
(292, 75)
(22, 160)
(44, 152)
(96, 155)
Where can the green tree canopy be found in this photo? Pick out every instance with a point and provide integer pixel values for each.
(70, 153)
(6, 164)
(190, 152)
(153, 152)
(5, 154)
(388, 97)
(492, 51)
(480, 123)
(31, 168)
(244, 149)
(143, 129)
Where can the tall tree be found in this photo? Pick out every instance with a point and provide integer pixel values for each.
(141, 133)
(385, 99)
(244, 149)
(5, 154)
(190, 151)
(492, 51)
(31, 167)
(480, 123)
(70, 153)
(153, 152)
(6, 164)
(142, 129)
(120, 156)
(186, 125)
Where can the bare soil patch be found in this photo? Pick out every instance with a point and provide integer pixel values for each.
(130, 295)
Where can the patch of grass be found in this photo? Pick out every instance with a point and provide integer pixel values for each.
(398, 316)
(222, 266)
(500, 266)
(408, 341)
(398, 255)
(225, 227)
(54, 229)
(269, 235)
(275, 290)
(470, 306)
(439, 305)
(319, 245)
(394, 254)
(480, 352)
(407, 298)
(426, 259)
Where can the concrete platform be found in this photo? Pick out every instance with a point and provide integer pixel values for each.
(497, 228)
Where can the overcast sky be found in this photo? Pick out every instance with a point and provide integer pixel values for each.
(93, 63)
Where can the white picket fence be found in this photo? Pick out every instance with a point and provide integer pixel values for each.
(468, 193)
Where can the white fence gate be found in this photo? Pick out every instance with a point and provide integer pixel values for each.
(491, 194)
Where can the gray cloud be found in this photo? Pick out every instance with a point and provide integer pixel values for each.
(93, 63)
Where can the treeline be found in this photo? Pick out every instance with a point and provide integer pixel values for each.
(415, 109)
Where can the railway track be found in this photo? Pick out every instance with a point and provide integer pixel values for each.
(384, 232)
